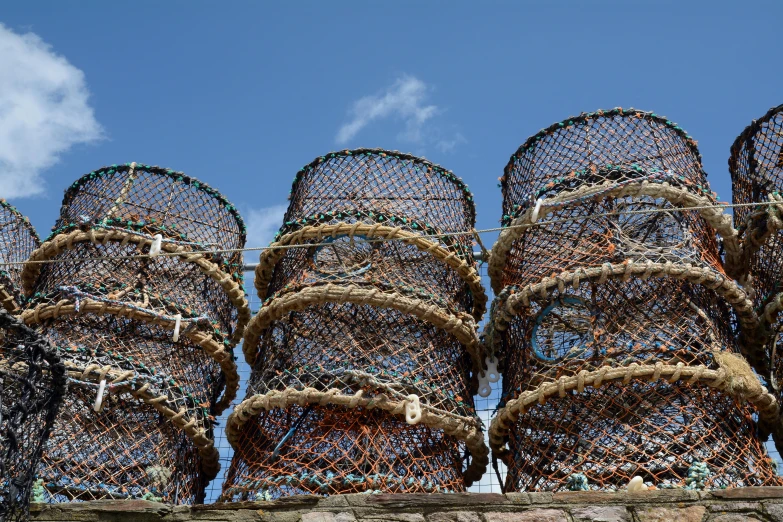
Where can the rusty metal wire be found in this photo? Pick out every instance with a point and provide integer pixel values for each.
(18, 239)
(351, 335)
(32, 379)
(147, 342)
(602, 315)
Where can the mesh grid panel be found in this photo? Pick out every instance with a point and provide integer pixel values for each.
(32, 380)
(18, 239)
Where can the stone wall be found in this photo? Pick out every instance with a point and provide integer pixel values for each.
(729, 505)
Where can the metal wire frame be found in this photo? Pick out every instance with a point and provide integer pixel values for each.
(368, 324)
(33, 382)
(18, 239)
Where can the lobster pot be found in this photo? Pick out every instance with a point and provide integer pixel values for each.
(672, 435)
(756, 166)
(338, 451)
(32, 379)
(18, 239)
(128, 450)
(149, 339)
(115, 213)
(609, 188)
(367, 321)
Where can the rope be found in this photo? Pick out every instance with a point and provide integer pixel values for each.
(379, 240)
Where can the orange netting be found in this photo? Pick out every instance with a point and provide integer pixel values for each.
(608, 304)
(147, 340)
(357, 332)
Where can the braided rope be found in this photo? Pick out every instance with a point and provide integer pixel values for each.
(216, 350)
(467, 272)
(739, 383)
(714, 216)
(462, 328)
(139, 387)
(461, 428)
(53, 247)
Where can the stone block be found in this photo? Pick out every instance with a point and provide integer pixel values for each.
(601, 514)
(533, 515)
(324, 516)
(454, 516)
(671, 514)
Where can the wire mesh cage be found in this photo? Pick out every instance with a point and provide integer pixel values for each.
(139, 287)
(370, 323)
(18, 239)
(618, 295)
(33, 382)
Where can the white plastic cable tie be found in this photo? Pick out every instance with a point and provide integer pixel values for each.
(492, 369)
(155, 247)
(536, 210)
(412, 409)
(484, 388)
(98, 404)
(177, 323)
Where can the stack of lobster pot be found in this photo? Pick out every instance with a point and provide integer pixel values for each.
(144, 310)
(18, 239)
(32, 378)
(363, 350)
(613, 316)
(756, 165)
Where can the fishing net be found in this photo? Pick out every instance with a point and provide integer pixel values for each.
(756, 165)
(18, 239)
(32, 379)
(371, 320)
(617, 304)
(145, 314)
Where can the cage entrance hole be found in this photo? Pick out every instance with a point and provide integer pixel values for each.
(563, 330)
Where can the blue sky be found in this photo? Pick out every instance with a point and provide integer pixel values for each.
(242, 94)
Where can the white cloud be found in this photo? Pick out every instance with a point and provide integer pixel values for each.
(403, 100)
(263, 223)
(43, 111)
(448, 145)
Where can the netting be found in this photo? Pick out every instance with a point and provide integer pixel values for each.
(618, 305)
(32, 380)
(18, 239)
(147, 340)
(357, 334)
(756, 165)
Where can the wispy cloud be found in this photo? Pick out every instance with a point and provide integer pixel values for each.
(263, 223)
(405, 100)
(44, 111)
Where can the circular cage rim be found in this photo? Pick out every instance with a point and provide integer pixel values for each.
(462, 329)
(206, 341)
(715, 217)
(505, 306)
(395, 154)
(725, 379)
(455, 426)
(270, 257)
(75, 188)
(584, 116)
(51, 248)
(745, 137)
